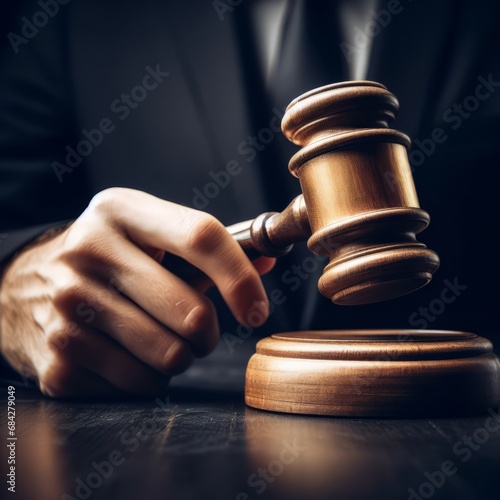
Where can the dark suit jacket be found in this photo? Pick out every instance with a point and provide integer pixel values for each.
(72, 74)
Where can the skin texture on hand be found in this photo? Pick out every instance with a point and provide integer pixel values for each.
(92, 312)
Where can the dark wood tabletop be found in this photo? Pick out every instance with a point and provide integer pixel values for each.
(202, 442)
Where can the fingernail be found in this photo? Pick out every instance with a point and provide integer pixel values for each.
(257, 314)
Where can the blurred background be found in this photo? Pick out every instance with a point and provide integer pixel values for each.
(232, 69)
(182, 99)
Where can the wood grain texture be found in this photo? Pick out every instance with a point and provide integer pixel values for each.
(363, 373)
(359, 192)
(359, 205)
(205, 444)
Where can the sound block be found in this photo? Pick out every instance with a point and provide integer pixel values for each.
(374, 373)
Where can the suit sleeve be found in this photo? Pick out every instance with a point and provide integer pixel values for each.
(37, 122)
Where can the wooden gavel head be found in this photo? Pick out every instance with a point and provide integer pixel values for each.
(359, 193)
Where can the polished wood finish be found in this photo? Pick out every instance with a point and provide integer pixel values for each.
(369, 373)
(359, 204)
(204, 443)
(274, 233)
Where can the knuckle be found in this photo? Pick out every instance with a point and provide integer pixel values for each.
(69, 294)
(81, 243)
(106, 200)
(86, 238)
(177, 358)
(90, 246)
(204, 234)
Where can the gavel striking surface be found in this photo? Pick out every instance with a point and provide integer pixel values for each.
(374, 373)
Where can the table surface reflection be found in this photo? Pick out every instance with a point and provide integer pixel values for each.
(203, 443)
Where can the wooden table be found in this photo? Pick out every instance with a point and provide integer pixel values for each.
(203, 443)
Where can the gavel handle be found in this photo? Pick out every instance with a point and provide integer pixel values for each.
(273, 233)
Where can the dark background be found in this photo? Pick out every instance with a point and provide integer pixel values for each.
(430, 56)
(204, 442)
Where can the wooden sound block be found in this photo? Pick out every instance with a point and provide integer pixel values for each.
(369, 373)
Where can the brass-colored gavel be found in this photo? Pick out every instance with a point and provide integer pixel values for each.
(359, 205)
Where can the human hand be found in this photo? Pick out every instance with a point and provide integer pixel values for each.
(92, 311)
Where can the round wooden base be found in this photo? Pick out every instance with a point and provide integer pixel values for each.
(369, 373)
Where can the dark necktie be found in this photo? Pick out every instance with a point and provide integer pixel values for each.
(309, 53)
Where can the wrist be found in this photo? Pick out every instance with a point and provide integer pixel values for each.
(43, 238)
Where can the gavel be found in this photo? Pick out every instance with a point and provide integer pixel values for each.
(359, 206)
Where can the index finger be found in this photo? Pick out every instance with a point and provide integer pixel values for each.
(195, 236)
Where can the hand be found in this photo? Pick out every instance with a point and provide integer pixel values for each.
(93, 312)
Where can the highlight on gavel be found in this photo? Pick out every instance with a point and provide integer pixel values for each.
(359, 207)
